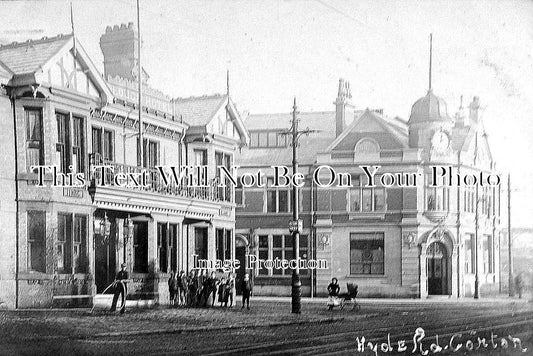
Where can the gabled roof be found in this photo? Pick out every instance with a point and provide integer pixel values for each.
(5, 74)
(310, 146)
(393, 133)
(32, 55)
(27, 61)
(199, 110)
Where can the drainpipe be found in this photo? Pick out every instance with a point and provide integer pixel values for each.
(312, 231)
(460, 276)
(17, 237)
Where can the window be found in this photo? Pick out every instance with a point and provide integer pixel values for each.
(200, 243)
(223, 160)
(281, 247)
(96, 135)
(64, 243)
(223, 244)
(104, 143)
(63, 141)
(264, 139)
(150, 153)
(79, 259)
(78, 145)
(36, 241)
(109, 145)
(437, 197)
(366, 199)
(200, 159)
(173, 246)
(469, 198)
(277, 199)
(71, 243)
(488, 259)
(469, 253)
(367, 253)
(263, 252)
(34, 138)
(140, 247)
(162, 246)
(254, 139)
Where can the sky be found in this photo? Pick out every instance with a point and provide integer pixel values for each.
(280, 49)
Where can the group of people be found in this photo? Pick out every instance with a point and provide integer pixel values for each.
(198, 289)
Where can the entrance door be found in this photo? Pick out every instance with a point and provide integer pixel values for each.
(240, 254)
(105, 259)
(437, 269)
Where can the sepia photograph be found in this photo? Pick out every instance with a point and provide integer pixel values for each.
(266, 177)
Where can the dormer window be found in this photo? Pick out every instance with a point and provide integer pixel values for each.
(268, 139)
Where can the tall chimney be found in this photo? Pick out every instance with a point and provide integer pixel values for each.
(119, 46)
(344, 110)
(474, 110)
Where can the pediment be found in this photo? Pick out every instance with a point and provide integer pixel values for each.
(367, 128)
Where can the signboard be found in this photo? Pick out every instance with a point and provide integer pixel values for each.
(296, 225)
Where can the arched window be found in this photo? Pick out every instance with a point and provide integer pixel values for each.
(366, 146)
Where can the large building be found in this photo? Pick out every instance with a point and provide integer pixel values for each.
(63, 245)
(392, 239)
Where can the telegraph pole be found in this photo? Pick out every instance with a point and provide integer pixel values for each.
(476, 251)
(296, 225)
(139, 79)
(296, 282)
(476, 235)
(510, 236)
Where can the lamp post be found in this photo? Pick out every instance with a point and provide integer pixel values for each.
(296, 224)
(128, 234)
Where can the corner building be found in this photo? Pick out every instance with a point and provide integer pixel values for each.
(61, 246)
(398, 241)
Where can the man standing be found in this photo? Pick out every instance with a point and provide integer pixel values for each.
(173, 286)
(246, 287)
(120, 289)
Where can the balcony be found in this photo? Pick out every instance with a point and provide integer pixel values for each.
(144, 190)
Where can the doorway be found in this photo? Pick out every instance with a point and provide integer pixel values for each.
(437, 269)
(240, 255)
(105, 259)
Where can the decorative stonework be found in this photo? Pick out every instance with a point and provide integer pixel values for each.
(410, 239)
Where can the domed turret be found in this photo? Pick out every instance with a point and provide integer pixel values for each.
(429, 108)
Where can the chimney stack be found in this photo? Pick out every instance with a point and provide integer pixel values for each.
(474, 110)
(119, 46)
(344, 110)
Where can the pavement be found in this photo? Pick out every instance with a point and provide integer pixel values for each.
(410, 301)
(196, 330)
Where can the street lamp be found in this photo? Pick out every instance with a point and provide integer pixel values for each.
(128, 233)
(296, 225)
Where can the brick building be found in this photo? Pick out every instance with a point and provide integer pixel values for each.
(63, 245)
(392, 241)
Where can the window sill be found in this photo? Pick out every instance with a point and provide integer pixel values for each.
(366, 276)
(367, 215)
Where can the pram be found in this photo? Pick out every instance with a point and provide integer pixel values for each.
(345, 298)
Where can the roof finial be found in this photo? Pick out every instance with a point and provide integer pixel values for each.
(72, 26)
(430, 57)
(227, 82)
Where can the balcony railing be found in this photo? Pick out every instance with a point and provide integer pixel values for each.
(156, 184)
